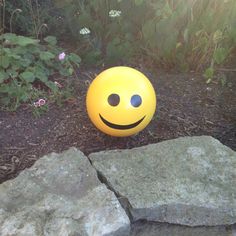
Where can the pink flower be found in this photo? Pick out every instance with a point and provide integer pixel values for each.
(62, 56)
(39, 103)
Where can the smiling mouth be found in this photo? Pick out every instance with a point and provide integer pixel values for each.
(122, 127)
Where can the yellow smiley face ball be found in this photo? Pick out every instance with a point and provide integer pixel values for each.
(121, 101)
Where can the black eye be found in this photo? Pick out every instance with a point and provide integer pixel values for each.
(113, 99)
(136, 100)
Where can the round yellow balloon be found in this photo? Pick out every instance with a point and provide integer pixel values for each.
(121, 101)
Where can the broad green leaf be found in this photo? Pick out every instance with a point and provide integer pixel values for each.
(12, 38)
(46, 56)
(41, 74)
(19, 50)
(5, 62)
(15, 56)
(19, 40)
(3, 76)
(12, 73)
(24, 62)
(7, 50)
(5, 88)
(24, 41)
(28, 76)
(75, 58)
(64, 71)
(51, 40)
(52, 86)
(32, 49)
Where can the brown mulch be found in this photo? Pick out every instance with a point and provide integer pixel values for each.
(186, 106)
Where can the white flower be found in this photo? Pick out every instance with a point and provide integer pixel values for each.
(61, 56)
(114, 13)
(84, 31)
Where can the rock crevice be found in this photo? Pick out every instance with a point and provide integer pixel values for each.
(188, 181)
(125, 204)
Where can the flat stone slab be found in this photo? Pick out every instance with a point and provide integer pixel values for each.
(188, 181)
(60, 195)
(165, 229)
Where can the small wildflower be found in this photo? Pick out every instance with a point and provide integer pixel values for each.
(114, 13)
(39, 103)
(62, 56)
(7, 42)
(58, 84)
(84, 31)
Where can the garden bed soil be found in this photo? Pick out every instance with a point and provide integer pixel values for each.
(186, 106)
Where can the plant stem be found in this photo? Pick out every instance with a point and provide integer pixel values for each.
(74, 71)
(40, 28)
(33, 16)
(15, 11)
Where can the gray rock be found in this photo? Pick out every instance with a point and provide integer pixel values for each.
(234, 230)
(164, 229)
(60, 195)
(189, 181)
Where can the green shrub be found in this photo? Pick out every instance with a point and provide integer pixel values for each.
(187, 35)
(190, 34)
(28, 67)
(33, 18)
(108, 39)
(182, 34)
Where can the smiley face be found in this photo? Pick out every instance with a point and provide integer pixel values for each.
(121, 101)
(114, 100)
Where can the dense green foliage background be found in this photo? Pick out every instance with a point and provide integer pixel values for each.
(184, 35)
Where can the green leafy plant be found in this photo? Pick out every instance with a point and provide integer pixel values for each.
(221, 52)
(190, 34)
(177, 34)
(99, 29)
(28, 68)
(197, 35)
(33, 18)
